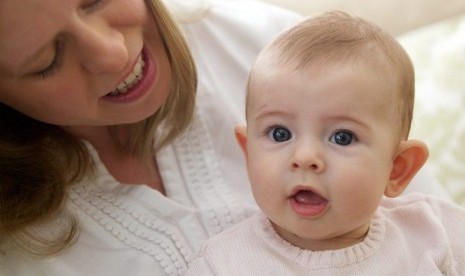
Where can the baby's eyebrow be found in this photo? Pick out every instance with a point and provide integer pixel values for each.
(346, 118)
(268, 112)
(264, 110)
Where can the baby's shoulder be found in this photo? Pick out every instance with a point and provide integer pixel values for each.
(235, 238)
(420, 212)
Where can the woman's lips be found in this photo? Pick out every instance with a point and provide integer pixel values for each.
(307, 203)
(139, 86)
(136, 75)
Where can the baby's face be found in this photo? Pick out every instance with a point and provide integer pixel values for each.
(320, 147)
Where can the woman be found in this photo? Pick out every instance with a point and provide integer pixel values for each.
(106, 166)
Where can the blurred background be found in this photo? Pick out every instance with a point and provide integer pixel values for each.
(438, 54)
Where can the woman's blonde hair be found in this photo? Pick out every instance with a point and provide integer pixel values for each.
(39, 161)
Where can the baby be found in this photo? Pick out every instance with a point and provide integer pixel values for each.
(329, 109)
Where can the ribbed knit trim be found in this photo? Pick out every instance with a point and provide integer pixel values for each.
(328, 258)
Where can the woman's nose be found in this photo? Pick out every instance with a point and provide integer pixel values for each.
(101, 47)
(307, 157)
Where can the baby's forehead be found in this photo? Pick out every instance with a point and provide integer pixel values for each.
(377, 83)
(269, 70)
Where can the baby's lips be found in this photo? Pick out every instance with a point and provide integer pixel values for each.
(307, 203)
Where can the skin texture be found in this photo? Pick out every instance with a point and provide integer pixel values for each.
(318, 110)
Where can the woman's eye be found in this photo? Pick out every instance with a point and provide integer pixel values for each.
(279, 134)
(49, 70)
(342, 138)
(54, 64)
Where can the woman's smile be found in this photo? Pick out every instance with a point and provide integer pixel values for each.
(138, 82)
(134, 77)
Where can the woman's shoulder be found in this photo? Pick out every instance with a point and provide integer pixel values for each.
(249, 21)
(195, 11)
(242, 9)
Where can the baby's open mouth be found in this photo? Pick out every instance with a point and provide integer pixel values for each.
(308, 203)
(308, 197)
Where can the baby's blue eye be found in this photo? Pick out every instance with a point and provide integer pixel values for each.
(342, 138)
(279, 134)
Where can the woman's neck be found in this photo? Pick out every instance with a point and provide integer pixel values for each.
(124, 167)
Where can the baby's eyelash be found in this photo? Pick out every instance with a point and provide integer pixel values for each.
(269, 127)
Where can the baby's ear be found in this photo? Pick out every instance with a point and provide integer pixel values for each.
(241, 137)
(411, 156)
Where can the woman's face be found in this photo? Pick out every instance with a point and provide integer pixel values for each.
(82, 62)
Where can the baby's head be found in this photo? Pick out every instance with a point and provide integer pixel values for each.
(334, 39)
(329, 107)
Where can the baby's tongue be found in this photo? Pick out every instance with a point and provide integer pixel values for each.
(309, 198)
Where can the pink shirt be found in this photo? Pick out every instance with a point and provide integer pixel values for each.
(411, 235)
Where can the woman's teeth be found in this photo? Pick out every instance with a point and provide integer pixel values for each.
(132, 79)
